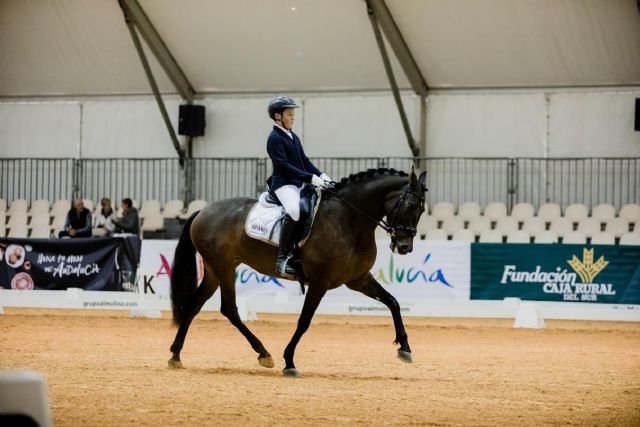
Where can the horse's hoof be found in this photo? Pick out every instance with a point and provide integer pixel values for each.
(266, 362)
(405, 356)
(291, 372)
(175, 364)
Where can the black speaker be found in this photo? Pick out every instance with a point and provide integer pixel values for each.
(636, 123)
(191, 122)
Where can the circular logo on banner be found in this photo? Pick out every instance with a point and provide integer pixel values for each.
(15, 256)
(22, 282)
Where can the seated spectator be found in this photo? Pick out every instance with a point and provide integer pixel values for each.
(130, 222)
(103, 222)
(78, 223)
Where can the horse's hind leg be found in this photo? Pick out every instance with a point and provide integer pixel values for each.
(371, 288)
(202, 294)
(229, 309)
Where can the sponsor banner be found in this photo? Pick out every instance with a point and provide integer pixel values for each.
(573, 273)
(96, 264)
(434, 270)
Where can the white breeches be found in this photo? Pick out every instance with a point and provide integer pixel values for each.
(289, 196)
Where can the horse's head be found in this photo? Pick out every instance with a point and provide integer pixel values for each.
(403, 212)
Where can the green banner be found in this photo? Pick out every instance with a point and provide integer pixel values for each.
(572, 273)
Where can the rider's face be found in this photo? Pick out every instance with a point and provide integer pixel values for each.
(288, 118)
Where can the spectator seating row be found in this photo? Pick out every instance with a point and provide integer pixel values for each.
(524, 225)
(43, 219)
(549, 224)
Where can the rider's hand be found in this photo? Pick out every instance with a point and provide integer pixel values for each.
(317, 181)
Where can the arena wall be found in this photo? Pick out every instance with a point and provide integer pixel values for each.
(576, 123)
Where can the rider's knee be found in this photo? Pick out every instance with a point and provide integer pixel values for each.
(294, 213)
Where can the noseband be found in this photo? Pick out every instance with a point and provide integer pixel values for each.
(391, 225)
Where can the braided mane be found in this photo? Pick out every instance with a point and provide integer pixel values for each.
(365, 175)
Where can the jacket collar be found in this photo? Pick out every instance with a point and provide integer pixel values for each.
(282, 131)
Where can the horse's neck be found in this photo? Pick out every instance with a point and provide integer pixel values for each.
(372, 195)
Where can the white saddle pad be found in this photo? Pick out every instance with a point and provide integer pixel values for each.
(262, 222)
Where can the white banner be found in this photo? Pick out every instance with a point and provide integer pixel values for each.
(434, 270)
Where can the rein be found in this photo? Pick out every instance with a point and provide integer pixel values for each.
(388, 227)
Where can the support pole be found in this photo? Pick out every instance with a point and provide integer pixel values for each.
(155, 90)
(392, 80)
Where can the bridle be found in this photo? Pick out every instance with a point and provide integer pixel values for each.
(390, 227)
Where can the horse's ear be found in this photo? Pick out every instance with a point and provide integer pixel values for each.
(413, 178)
(423, 180)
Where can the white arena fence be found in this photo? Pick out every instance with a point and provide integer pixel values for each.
(564, 181)
(439, 278)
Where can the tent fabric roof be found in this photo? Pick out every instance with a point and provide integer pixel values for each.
(82, 47)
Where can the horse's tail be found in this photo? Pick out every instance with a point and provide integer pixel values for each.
(184, 274)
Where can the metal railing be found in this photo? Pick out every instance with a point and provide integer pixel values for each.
(509, 180)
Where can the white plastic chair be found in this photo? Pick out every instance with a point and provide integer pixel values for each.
(506, 225)
(603, 238)
(61, 206)
(617, 226)
(39, 220)
(452, 224)
(39, 206)
(153, 222)
(437, 234)
(194, 206)
(18, 231)
(17, 219)
(534, 225)
(17, 207)
(464, 235)
(426, 224)
(88, 203)
(490, 236)
(576, 211)
(603, 212)
(479, 224)
(172, 209)
(575, 237)
(469, 210)
(149, 207)
(522, 211)
(58, 222)
(561, 226)
(631, 239)
(545, 236)
(495, 210)
(549, 211)
(518, 236)
(589, 226)
(630, 212)
(41, 232)
(443, 210)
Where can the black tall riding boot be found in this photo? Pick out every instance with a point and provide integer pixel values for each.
(285, 249)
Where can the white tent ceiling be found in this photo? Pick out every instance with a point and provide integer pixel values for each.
(82, 47)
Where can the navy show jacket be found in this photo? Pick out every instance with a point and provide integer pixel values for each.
(290, 164)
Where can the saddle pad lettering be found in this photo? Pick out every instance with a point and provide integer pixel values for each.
(263, 223)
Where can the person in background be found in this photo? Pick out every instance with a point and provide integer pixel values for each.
(103, 222)
(130, 222)
(78, 223)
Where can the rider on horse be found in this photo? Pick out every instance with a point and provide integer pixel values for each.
(291, 170)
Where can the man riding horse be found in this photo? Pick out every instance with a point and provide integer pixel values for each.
(291, 169)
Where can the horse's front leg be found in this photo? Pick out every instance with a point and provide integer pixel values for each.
(371, 288)
(311, 302)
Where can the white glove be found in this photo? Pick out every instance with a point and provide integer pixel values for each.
(325, 177)
(317, 181)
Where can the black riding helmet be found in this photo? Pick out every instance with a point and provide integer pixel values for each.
(279, 104)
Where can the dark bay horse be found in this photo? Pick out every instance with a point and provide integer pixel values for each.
(341, 249)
